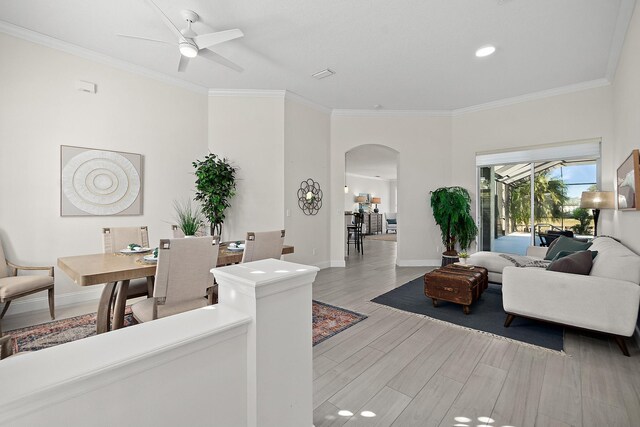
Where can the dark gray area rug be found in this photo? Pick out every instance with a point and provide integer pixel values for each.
(486, 315)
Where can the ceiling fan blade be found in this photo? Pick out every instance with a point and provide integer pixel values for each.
(212, 56)
(143, 38)
(211, 39)
(166, 20)
(182, 65)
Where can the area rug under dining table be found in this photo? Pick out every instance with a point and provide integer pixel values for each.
(328, 321)
(487, 315)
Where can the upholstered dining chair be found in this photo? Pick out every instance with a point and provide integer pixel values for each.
(115, 239)
(262, 245)
(183, 277)
(13, 286)
(392, 222)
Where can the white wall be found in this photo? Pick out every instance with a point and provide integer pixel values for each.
(376, 187)
(424, 158)
(626, 110)
(579, 115)
(249, 132)
(40, 109)
(306, 155)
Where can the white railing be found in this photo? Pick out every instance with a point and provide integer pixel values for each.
(244, 362)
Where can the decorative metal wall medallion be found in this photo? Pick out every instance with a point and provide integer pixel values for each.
(310, 197)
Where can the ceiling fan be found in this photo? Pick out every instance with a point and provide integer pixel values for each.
(191, 44)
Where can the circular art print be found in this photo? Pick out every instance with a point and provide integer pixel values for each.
(100, 182)
(310, 197)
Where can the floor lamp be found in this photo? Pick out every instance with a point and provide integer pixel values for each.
(597, 200)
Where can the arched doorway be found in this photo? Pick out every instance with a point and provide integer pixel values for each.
(371, 186)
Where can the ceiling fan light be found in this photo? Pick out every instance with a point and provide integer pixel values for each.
(188, 50)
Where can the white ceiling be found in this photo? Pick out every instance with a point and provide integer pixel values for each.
(412, 54)
(373, 161)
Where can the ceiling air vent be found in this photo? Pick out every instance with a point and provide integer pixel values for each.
(324, 73)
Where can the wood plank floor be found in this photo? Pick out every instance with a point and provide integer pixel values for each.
(409, 371)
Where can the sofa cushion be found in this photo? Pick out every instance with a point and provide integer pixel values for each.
(563, 254)
(615, 261)
(391, 221)
(566, 244)
(576, 263)
(492, 261)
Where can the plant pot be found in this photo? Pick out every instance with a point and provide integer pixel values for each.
(449, 259)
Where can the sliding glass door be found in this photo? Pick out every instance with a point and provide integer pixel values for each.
(522, 203)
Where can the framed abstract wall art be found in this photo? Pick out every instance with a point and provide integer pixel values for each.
(99, 182)
(628, 182)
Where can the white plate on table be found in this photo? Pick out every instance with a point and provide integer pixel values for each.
(134, 251)
(235, 248)
(150, 258)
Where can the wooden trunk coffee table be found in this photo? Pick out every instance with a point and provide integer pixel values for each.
(456, 283)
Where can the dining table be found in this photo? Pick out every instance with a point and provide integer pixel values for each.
(116, 270)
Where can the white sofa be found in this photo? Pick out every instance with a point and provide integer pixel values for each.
(495, 264)
(606, 300)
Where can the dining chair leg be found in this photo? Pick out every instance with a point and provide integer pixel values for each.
(52, 309)
(150, 284)
(6, 307)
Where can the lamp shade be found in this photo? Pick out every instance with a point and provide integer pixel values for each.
(375, 200)
(361, 199)
(597, 200)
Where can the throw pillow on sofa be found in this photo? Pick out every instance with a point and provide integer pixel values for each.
(577, 263)
(563, 254)
(566, 244)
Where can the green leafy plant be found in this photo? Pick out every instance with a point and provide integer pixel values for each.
(189, 218)
(583, 217)
(463, 255)
(549, 194)
(452, 211)
(215, 186)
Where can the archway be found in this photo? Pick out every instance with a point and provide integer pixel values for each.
(371, 186)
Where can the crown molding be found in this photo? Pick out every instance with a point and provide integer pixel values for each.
(390, 113)
(563, 90)
(302, 100)
(41, 39)
(269, 93)
(625, 13)
(255, 93)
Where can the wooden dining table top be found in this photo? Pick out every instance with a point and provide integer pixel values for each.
(94, 269)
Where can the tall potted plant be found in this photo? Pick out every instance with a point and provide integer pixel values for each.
(215, 186)
(452, 212)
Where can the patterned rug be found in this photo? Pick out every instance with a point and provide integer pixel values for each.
(327, 321)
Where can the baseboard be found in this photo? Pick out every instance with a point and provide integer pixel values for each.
(42, 302)
(323, 264)
(337, 264)
(418, 262)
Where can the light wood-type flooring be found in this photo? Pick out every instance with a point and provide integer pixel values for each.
(409, 371)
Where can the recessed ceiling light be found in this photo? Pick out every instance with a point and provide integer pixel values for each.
(485, 51)
(322, 74)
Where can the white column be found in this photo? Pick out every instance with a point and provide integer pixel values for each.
(277, 295)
